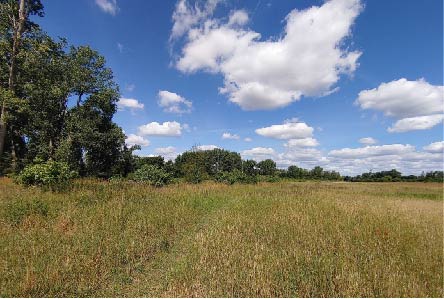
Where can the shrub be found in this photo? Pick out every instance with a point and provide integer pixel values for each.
(52, 175)
(271, 178)
(194, 173)
(151, 174)
(235, 176)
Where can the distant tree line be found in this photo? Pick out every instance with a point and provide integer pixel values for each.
(396, 176)
(227, 166)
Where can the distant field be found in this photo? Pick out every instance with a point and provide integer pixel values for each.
(271, 239)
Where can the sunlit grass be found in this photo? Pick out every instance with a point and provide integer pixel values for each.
(271, 239)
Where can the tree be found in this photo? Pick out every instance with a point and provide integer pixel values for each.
(43, 75)
(249, 167)
(14, 23)
(47, 95)
(157, 161)
(317, 172)
(296, 172)
(267, 167)
(218, 160)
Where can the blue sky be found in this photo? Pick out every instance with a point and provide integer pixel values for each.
(301, 82)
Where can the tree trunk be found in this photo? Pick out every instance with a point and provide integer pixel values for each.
(13, 156)
(17, 35)
(51, 149)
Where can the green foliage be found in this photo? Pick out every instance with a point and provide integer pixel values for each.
(295, 172)
(50, 175)
(235, 176)
(40, 122)
(434, 176)
(267, 167)
(151, 174)
(271, 178)
(249, 167)
(210, 162)
(157, 161)
(194, 172)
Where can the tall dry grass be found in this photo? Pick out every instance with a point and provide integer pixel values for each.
(272, 239)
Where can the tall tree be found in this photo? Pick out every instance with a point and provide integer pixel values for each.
(92, 142)
(14, 23)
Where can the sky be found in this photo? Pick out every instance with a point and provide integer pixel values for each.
(350, 85)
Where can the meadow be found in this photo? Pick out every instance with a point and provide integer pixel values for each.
(282, 239)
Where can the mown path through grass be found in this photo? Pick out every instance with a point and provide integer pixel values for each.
(271, 239)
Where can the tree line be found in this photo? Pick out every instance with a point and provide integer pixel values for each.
(222, 165)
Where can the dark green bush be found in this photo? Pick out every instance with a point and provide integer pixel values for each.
(52, 175)
(271, 178)
(151, 174)
(235, 176)
(194, 173)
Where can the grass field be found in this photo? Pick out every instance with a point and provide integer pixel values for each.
(271, 239)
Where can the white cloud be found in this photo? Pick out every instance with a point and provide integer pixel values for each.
(238, 17)
(417, 105)
(403, 98)
(186, 16)
(259, 151)
(133, 139)
(402, 157)
(129, 103)
(208, 147)
(173, 103)
(248, 139)
(435, 147)
(230, 136)
(372, 151)
(304, 142)
(307, 59)
(303, 157)
(169, 152)
(416, 123)
(347, 161)
(108, 6)
(292, 129)
(368, 140)
(169, 128)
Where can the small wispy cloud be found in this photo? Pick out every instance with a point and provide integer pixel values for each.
(120, 47)
(108, 6)
(130, 87)
(230, 136)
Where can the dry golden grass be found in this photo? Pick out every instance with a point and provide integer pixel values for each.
(272, 239)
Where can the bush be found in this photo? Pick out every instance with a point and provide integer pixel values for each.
(151, 174)
(194, 173)
(235, 176)
(52, 175)
(271, 178)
